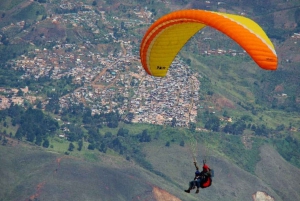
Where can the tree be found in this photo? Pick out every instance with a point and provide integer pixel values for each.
(75, 132)
(87, 116)
(39, 104)
(157, 134)
(280, 127)
(261, 130)
(237, 128)
(4, 141)
(108, 135)
(20, 93)
(123, 25)
(120, 132)
(188, 61)
(80, 144)
(94, 135)
(19, 134)
(210, 93)
(53, 103)
(173, 122)
(144, 137)
(192, 126)
(116, 144)
(246, 118)
(46, 143)
(91, 147)
(130, 117)
(213, 123)
(30, 136)
(225, 114)
(38, 140)
(71, 147)
(112, 118)
(103, 148)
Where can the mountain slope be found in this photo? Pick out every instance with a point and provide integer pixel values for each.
(230, 181)
(29, 173)
(282, 177)
(32, 173)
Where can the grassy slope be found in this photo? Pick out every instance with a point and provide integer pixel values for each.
(27, 171)
(230, 181)
(7, 5)
(23, 168)
(236, 83)
(280, 175)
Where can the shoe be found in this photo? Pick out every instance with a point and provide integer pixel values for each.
(187, 191)
(197, 191)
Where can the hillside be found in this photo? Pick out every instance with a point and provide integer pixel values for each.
(81, 120)
(32, 173)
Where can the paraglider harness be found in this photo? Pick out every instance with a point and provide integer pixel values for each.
(204, 175)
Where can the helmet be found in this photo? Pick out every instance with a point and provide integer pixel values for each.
(205, 168)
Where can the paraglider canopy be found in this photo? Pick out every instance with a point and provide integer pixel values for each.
(169, 34)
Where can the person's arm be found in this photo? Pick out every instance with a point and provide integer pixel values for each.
(196, 166)
(209, 172)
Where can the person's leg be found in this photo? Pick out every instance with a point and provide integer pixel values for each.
(191, 186)
(198, 182)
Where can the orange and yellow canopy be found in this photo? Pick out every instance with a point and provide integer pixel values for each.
(165, 38)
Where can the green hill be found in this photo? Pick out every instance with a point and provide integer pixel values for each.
(105, 157)
(32, 173)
